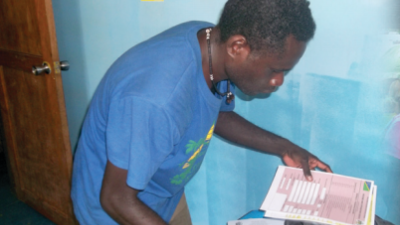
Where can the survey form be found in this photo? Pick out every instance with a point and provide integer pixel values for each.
(329, 198)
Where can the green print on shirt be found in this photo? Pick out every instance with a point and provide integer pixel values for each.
(190, 166)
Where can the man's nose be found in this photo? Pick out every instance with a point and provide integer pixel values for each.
(277, 79)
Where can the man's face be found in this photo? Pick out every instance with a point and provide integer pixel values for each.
(264, 74)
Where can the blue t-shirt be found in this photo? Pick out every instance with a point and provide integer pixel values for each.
(153, 115)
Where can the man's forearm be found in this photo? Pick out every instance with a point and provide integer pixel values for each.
(121, 202)
(128, 213)
(236, 129)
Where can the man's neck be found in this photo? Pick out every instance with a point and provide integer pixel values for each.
(216, 55)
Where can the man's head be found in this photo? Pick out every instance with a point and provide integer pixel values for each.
(267, 23)
(263, 39)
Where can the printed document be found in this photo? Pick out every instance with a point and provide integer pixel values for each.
(329, 198)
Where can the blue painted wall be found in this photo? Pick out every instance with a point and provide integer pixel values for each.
(330, 103)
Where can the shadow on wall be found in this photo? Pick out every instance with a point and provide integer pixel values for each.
(70, 46)
(329, 110)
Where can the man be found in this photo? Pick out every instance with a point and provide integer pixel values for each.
(153, 115)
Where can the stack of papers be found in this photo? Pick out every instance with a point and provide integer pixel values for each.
(328, 199)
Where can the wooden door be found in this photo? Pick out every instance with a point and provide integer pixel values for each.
(33, 109)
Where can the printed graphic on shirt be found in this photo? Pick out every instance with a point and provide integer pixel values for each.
(190, 166)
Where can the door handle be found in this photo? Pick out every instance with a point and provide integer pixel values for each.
(64, 65)
(44, 68)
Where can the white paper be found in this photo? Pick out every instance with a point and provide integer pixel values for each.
(329, 198)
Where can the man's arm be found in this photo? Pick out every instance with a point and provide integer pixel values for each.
(121, 202)
(238, 130)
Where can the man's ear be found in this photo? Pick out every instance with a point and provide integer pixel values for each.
(237, 47)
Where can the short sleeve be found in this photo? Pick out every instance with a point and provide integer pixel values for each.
(225, 107)
(140, 135)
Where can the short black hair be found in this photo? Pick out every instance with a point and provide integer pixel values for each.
(266, 23)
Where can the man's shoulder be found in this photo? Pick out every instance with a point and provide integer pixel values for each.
(191, 26)
(174, 44)
(179, 38)
(159, 67)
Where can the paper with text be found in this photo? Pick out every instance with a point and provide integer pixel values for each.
(329, 198)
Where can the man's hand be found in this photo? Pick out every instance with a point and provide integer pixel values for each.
(300, 158)
(236, 129)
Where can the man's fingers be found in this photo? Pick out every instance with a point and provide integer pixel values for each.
(306, 170)
(324, 167)
(315, 162)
